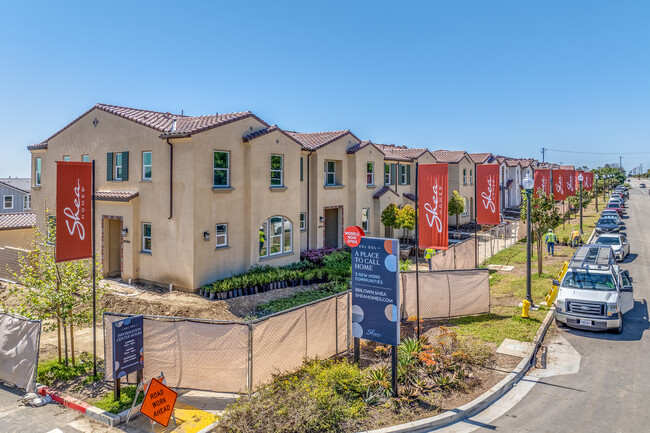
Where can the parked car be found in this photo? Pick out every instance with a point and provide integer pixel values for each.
(613, 214)
(617, 241)
(617, 207)
(642, 185)
(618, 200)
(607, 225)
(594, 292)
(609, 212)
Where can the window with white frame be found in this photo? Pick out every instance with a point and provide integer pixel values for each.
(146, 165)
(303, 220)
(66, 158)
(471, 177)
(85, 158)
(277, 163)
(464, 176)
(221, 169)
(117, 165)
(37, 172)
(146, 237)
(275, 236)
(365, 214)
(402, 174)
(27, 202)
(330, 172)
(466, 211)
(386, 174)
(222, 235)
(370, 173)
(8, 202)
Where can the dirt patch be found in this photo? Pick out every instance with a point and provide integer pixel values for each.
(85, 392)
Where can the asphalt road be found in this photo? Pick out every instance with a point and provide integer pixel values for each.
(611, 391)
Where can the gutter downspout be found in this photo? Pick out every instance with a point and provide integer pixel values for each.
(171, 172)
(308, 202)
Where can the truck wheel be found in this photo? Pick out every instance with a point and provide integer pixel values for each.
(559, 324)
(619, 330)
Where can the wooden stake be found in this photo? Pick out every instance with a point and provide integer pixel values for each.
(58, 329)
(72, 343)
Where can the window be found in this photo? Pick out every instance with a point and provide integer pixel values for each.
(146, 237)
(403, 178)
(370, 173)
(471, 178)
(117, 166)
(464, 176)
(66, 158)
(303, 220)
(8, 202)
(466, 211)
(365, 213)
(117, 174)
(85, 158)
(221, 172)
(276, 170)
(275, 236)
(301, 158)
(386, 174)
(222, 235)
(38, 172)
(330, 173)
(27, 202)
(146, 165)
(51, 230)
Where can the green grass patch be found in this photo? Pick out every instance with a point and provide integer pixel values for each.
(300, 298)
(503, 322)
(108, 403)
(52, 370)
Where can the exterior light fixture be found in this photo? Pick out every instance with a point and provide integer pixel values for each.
(206, 236)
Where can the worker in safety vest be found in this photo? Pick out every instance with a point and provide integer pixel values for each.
(550, 241)
(575, 238)
(428, 255)
(262, 239)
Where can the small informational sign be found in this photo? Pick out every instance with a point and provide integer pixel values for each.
(352, 236)
(128, 346)
(375, 290)
(159, 402)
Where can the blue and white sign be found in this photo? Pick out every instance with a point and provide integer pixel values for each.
(128, 346)
(375, 290)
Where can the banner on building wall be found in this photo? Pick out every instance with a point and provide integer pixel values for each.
(487, 194)
(559, 185)
(542, 179)
(433, 186)
(73, 211)
(570, 182)
(588, 183)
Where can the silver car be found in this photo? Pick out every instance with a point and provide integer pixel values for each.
(617, 241)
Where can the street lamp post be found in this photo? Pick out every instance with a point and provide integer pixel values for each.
(580, 179)
(596, 186)
(528, 184)
(605, 176)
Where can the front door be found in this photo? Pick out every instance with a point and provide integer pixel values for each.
(331, 228)
(114, 248)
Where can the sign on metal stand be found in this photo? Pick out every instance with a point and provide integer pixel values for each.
(128, 349)
(375, 294)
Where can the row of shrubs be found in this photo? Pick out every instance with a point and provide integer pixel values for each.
(318, 267)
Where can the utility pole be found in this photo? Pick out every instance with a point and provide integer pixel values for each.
(620, 163)
(543, 153)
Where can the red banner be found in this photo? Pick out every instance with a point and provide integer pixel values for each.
(559, 185)
(588, 183)
(542, 181)
(487, 194)
(73, 210)
(433, 196)
(571, 182)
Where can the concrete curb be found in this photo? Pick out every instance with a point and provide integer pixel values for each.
(87, 410)
(481, 402)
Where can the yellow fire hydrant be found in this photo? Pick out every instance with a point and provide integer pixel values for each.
(525, 308)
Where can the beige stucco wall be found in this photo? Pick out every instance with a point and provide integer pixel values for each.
(361, 193)
(465, 189)
(17, 238)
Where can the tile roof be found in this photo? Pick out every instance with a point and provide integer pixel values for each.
(21, 183)
(409, 196)
(262, 132)
(316, 140)
(480, 158)
(116, 195)
(568, 167)
(382, 191)
(401, 153)
(17, 220)
(449, 156)
(185, 125)
(512, 162)
(357, 147)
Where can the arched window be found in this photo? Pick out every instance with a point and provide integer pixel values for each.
(275, 236)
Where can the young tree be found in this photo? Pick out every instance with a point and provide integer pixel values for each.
(59, 294)
(544, 216)
(406, 218)
(456, 206)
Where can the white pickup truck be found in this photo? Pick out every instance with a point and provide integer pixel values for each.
(594, 293)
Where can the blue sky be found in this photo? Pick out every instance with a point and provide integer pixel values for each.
(507, 77)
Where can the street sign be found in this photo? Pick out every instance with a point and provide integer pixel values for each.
(159, 402)
(375, 290)
(128, 346)
(352, 236)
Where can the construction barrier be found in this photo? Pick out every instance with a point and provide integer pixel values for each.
(19, 343)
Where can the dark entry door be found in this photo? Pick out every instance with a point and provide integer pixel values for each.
(331, 228)
(114, 248)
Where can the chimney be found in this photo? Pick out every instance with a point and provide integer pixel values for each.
(173, 125)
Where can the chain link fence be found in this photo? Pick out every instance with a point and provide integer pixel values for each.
(499, 238)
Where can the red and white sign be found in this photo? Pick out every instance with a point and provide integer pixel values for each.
(571, 182)
(588, 183)
(352, 236)
(487, 190)
(433, 186)
(542, 181)
(559, 185)
(73, 211)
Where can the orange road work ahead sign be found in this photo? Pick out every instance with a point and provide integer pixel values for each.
(159, 402)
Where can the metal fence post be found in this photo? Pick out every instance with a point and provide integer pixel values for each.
(347, 323)
(336, 325)
(250, 358)
(306, 333)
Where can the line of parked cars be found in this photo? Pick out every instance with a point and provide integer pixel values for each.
(595, 292)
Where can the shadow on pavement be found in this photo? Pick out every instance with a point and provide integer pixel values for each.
(630, 258)
(635, 323)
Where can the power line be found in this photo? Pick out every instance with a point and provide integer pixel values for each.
(598, 153)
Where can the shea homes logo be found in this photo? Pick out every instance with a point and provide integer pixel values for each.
(434, 208)
(489, 195)
(73, 211)
(75, 216)
(570, 184)
(558, 185)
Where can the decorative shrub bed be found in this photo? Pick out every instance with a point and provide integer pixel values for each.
(300, 298)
